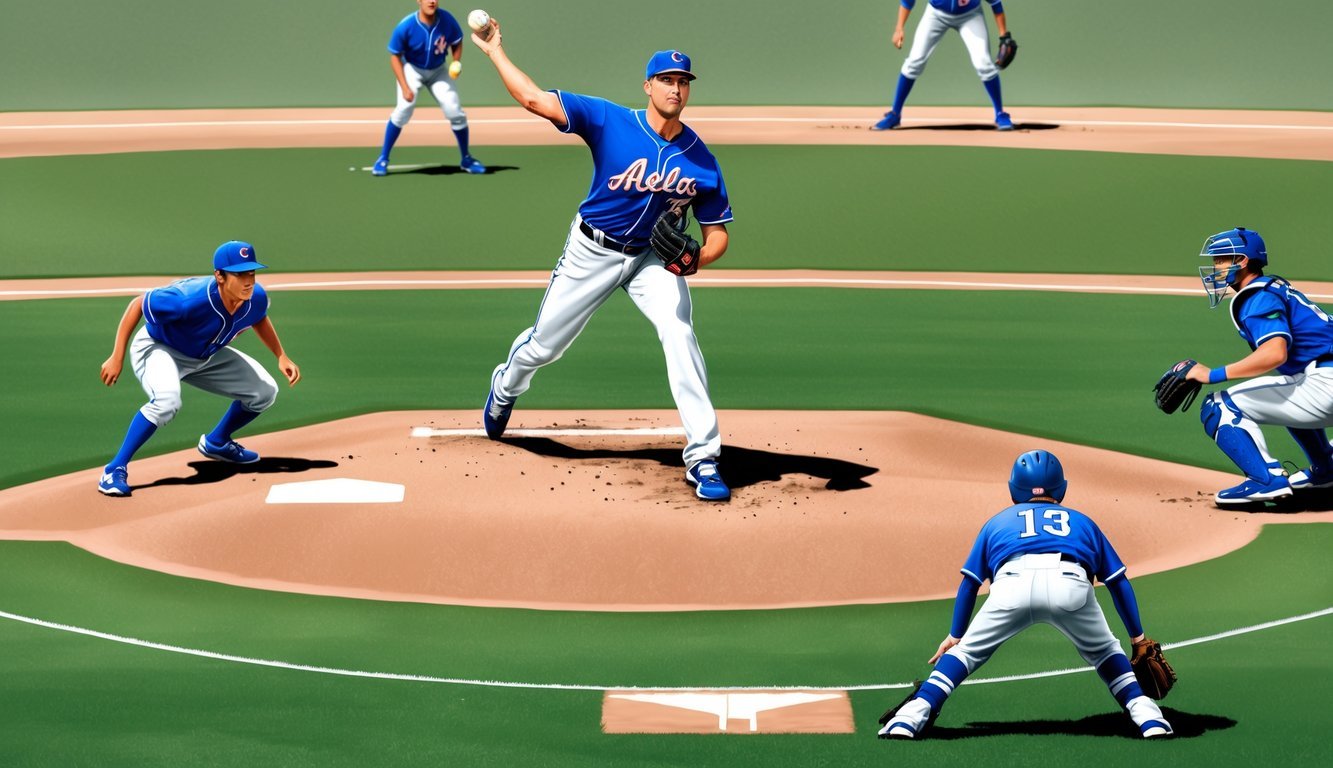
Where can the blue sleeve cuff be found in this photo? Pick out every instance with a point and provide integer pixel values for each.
(1217, 375)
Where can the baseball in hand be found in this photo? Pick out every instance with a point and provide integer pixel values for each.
(455, 68)
(480, 21)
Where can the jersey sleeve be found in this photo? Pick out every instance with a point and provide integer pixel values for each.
(975, 566)
(996, 6)
(1265, 316)
(162, 305)
(908, 4)
(584, 115)
(714, 207)
(398, 40)
(1109, 567)
(453, 33)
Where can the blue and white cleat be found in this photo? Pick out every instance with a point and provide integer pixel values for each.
(890, 121)
(471, 165)
(1003, 122)
(114, 482)
(232, 452)
(380, 168)
(708, 484)
(909, 721)
(1307, 479)
(1253, 490)
(495, 416)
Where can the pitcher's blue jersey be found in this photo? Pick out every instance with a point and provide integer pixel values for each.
(638, 174)
(956, 7)
(425, 47)
(1037, 527)
(1269, 307)
(189, 317)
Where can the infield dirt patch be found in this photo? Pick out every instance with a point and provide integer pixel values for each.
(829, 507)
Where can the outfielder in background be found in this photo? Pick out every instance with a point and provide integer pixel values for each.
(648, 169)
(1041, 558)
(940, 16)
(189, 325)
(418, 48)
(1286, 332)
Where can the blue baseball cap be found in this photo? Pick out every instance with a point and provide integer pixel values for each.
(236, 256)
(667, 61)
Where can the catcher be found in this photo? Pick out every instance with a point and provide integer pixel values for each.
(1041, 558)
(648, 169)
(1291, 356)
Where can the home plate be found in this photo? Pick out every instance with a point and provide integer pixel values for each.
(720, 711)
(339, 490)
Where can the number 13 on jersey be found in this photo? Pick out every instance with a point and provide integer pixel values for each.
(1058, 524)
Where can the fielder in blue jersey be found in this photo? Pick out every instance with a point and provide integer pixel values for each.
(188, 327)
(645, 162)
(1290, 336)
(1041, 559)
(418, 49)
(966, 17)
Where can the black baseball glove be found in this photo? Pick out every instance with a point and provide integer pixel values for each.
(1151, 669)
(1173, 390)
(1004, 56)
(673, 245)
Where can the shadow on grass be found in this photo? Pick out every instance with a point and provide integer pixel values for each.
(1112, 724)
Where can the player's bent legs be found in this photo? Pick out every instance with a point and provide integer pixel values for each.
(446, 93)
(1238, 436)
(1302, 401)
(664, 299)
(928, 35)
(401, 115)
(976, 37)
(583, 279)
(157, 371)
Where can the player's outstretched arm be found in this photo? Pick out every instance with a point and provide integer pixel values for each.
(269, 335)
(128, 322)
(715, 243)
(520, 86)
(1265, 358)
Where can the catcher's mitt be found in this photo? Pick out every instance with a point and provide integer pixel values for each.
(888, 714)
(673, 245)
(1154, 674)
(1004, 55)
(1173, 390)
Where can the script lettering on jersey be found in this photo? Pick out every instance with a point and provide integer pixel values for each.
(440, 44)
(636, 177)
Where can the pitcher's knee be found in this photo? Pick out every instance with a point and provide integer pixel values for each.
(162, 408)
(262, 398)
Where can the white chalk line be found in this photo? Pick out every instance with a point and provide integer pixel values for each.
(577, 687)
(550, 432)
(701, 119)
(779, 282)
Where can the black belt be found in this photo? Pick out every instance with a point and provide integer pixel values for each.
(606, 242)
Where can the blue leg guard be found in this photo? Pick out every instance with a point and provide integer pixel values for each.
(905, 84)
(1315, 444)
(1236, 436)
(949, 673)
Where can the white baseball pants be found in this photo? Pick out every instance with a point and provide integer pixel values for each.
(441, 87)
(1038, 588)
(229, 372)
(1303, 400)
(971, 27)
(584, 278)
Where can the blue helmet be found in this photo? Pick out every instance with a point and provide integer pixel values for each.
(1037, 473)
(1233, 244)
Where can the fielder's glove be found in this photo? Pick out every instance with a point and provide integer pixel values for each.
(673, 245)
(1154, 674)
(1173, 390)
(1004, 56)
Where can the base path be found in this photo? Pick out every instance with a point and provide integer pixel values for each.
(1233, 133)
(828, 508)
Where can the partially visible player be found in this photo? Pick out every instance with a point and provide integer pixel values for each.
(418, 49)
(966, 17)
(189, 325)
(1041, 558)
(645, 162)
(1287, 332)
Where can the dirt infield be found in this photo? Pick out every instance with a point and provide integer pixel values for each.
(828, 508)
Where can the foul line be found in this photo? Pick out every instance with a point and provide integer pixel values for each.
(634, 432)
(573, 687)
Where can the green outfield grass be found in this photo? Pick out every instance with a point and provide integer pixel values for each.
(156, 54)
(141, 706)
(1008, 360)
(923, 208)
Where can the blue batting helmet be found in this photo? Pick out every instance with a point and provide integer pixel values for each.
(1037, 473)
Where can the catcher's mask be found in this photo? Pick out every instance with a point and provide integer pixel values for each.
(1236, 243)
(1037, 473)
